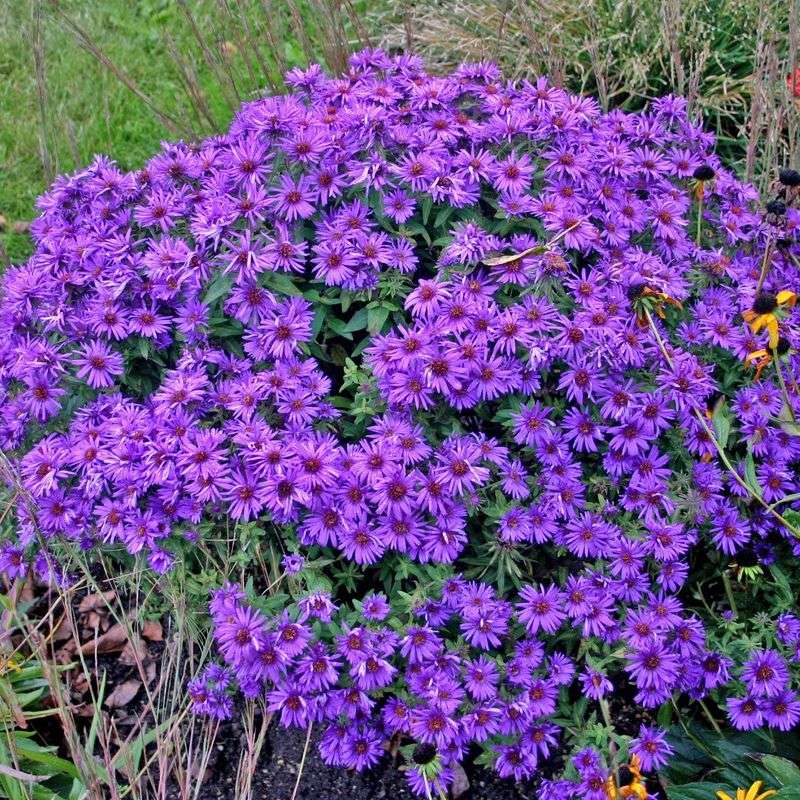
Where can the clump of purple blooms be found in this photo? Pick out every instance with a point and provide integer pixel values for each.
(578, 420)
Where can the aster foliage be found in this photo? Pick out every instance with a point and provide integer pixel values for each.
(512, 490)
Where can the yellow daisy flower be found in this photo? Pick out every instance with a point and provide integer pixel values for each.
(748, 794)
(762, 315)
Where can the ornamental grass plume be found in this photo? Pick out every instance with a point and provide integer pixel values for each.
(452, 344)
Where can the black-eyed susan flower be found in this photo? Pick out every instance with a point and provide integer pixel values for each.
(753, 793)
(763, 358)
(762, 316)
(643, 297)
(702, 175)
(631, 783)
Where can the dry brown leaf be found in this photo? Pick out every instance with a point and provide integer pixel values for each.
(66, 653)
(153, 631)
(79, 683)
(63, 630)
(124, 693)
(134, 651)
(26, 593)
(91, 622)
(150, 672)
(93, 602)
(112, 640)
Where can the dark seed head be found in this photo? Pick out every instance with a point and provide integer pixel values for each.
(765, 303)
(783, 346)
(777, 207)
(424, 753)
(789, 177)
(635, 291)
(625, 775)
(704, 173)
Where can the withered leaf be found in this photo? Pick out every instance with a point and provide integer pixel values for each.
(153, 631)
(134, 651)
(124, 693)
(93, 602)
(112, 640)
(63, 630)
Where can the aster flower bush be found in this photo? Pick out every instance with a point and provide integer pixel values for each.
(510, 385)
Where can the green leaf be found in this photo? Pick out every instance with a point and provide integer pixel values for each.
(357, 322)
(782, 769)
(219, 287)
(443, 216)
(415, 229)
(750, 474)
(375, 319)
(722, 424)
(224, 328)
(338, 327)
(319, 319)
(427, 205)
(696, 791)
(39, 755)
(281, 283)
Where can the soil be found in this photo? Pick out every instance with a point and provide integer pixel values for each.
(277, 773)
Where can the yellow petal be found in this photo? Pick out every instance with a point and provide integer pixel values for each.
(786, 297)
(772, 327)
(761, 321)
(756, 354)
(724, 796)
(753, 791)
(768, 793)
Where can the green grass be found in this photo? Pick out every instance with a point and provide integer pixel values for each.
(87, 110)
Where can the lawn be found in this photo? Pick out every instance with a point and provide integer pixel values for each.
(60, 105)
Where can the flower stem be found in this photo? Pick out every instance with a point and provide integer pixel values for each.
(776, 359)
(764, 266)
(726, 582)
(714, 723)
(699, 217)
(605, 710)
(720, 450)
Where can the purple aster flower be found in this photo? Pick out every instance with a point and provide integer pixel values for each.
(362, 747)
(541, 609)
(293, 563)
(745, 713)
(765, 673)
(98, 364)
(292, 199)
(595, 684)
(782, 710)
(651, 747)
